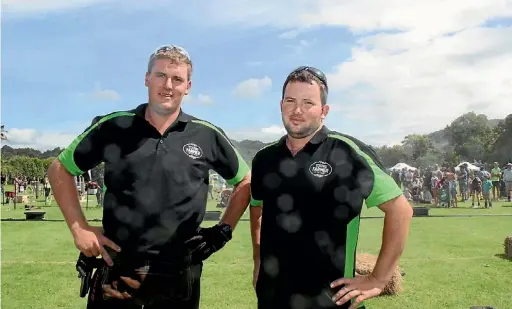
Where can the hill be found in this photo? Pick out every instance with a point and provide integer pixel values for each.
(247, 148)
(440, 138)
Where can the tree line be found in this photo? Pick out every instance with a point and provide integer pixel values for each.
(471, 137)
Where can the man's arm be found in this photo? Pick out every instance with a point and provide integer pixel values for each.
(66, 195)
(82, 154)
(231, 166)
(386, 195)
(85, 152)
(383, 192)
(238, 202)
(256, 203)
(255, 213)
(397, 219)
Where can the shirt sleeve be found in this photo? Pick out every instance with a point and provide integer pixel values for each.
(85, 151)
(383, 187)
(227, 161)
(256, 182)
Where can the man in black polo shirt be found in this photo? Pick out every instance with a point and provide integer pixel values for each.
(157, 161)
(312, 184)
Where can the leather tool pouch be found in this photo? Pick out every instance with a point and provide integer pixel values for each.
(159, 281)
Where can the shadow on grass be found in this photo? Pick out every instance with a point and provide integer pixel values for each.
(503, 256)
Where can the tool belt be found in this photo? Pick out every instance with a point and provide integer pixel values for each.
(159, 280)
(85, 267)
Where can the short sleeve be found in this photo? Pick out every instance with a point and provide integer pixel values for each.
(384, 187)
(256, 181)
(85, 151)
(227, 161)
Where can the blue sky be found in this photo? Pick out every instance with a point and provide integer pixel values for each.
(64, 62)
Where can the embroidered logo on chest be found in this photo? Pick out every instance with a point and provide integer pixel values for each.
(320, 169)
(193, 151)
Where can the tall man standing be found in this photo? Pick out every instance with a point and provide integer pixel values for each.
(312, 184)
(157, 160)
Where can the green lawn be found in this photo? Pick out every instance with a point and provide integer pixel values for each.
(449, 263)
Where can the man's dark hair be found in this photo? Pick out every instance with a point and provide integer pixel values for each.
(306, 76)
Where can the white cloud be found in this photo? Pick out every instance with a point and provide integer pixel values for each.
(253, 87)
(292, 34)
(42, 140)
(265, 134)
(300, 46)
(106, 95)
(199, 99)
(254, 63)
(423, 87)
(417, 65)
(45, 6)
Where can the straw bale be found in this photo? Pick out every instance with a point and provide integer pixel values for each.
(508, 247)
(364, 265)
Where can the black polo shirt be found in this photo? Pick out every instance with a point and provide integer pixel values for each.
(156, 184)
(311, 210)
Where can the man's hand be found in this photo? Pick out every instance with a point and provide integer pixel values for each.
(113, 290)
(208, 241)
(360, 288)
(255, 273)
(91, 241)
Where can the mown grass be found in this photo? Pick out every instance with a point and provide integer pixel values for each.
(449, 262)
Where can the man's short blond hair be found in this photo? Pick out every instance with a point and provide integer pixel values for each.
(174, 53)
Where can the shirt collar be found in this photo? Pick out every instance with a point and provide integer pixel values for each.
(141, 112)
(318, 138)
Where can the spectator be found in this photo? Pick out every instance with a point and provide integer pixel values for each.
(495, 178)
(486, 191)
(452, 178)
(507, 178)
(476, 189)
(463, 182)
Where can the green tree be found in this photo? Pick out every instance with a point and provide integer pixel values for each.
(500, 149)
(469, 135)
(417, 146)
(391, 155)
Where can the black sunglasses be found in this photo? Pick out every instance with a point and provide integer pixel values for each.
(316, 72)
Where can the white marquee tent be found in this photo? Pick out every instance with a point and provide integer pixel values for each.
(401, 166)
(471, 167)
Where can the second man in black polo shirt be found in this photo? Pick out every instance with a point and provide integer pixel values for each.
(157, 162)
(308, 190)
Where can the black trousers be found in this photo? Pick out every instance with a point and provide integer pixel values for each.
(280, 294)
(96, 300)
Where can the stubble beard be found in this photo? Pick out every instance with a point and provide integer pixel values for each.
(162, 111)
(302, 132)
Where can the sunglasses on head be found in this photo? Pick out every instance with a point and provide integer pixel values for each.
(316, 72)
(168, 48)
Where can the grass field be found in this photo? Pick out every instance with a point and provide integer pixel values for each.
(450, 263)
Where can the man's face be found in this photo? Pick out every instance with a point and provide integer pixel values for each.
(167, 84)
(301, 109)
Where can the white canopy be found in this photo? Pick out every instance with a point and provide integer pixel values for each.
(470, 166)
(401, 166)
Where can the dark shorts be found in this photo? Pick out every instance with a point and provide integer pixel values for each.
(181, 288)
(496, 184)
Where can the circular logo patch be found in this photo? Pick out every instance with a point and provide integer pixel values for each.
(320, 169)
(193, 151)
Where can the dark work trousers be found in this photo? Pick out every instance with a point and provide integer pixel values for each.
(193, 285)
(281, 294)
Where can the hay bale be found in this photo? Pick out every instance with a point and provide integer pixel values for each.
(508, 247)
(364, 266)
